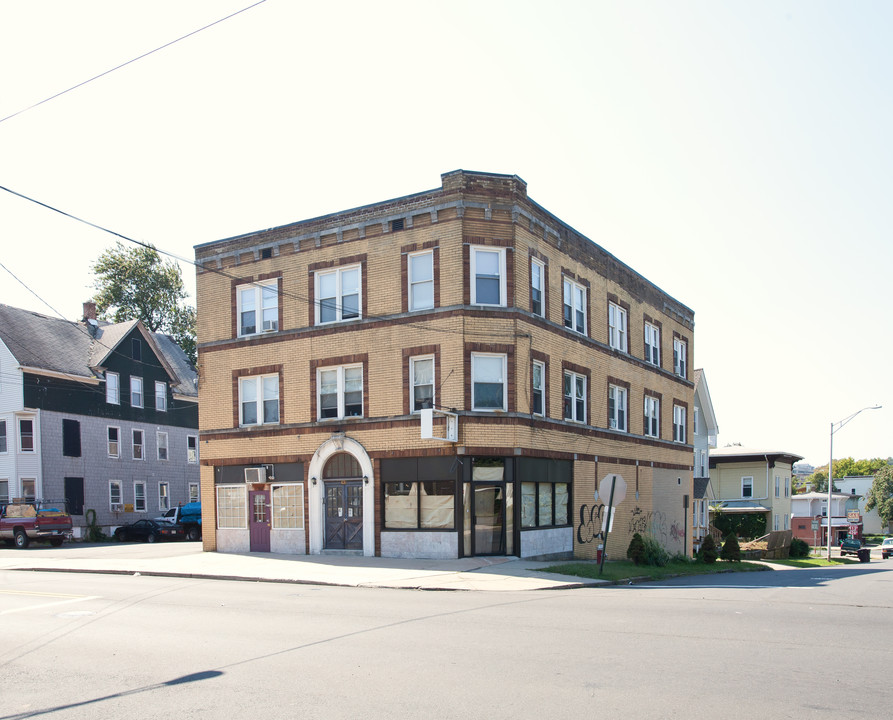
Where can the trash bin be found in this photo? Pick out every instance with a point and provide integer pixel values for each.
(864, 554)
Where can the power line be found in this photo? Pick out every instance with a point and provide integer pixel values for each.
(131, 61)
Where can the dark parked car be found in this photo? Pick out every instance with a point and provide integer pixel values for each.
(850, 546)
(149, 531)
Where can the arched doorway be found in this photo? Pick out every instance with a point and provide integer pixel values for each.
(343, 503)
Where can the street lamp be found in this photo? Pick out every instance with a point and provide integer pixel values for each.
(834, 428)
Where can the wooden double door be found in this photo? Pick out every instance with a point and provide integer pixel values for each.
(344, 514)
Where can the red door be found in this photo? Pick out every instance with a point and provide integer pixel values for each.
(259, 520)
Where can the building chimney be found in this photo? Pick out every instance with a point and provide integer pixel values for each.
(89, 310)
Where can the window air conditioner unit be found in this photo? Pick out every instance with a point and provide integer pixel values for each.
(117, 507)
(255, 475)
(270, 325)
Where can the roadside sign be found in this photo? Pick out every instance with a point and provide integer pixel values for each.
(604, 489)
(815, 524)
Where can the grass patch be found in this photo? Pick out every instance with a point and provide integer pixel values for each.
(624, 570)
(812, 562)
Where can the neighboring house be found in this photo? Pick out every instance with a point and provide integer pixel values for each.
(327, 345)
(810, 517)
(858, 486)
(754, 482)
(102, 415)
(704, 432)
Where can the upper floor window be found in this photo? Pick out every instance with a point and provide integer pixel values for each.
(574, 306)
(112, 388)
(538, 379)
(161, 396)
(488, 285)
(136, 392)
(26, 436)
(747, 487)
(617, 398)
(340, 392)
(488, 381)
(537, 282)
(617, 327)
(136, 349)
(652, 416)
(680, 359)
(679, 433)
(137, 437)
(574, 397)
(777, 486)
(787, 487)
(339, 294)
(113, 435)
(258, 308)
(421, 281)
(259, 400)
(161, 438)
(696, 420)
(652, 344)
(71, 438)
(192, 449)
(3, 447)
(421, 373)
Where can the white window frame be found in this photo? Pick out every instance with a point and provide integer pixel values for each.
(747, 482)
(541, 389)
(787, 521)
(4, 490)
(573, 380)
(109, 442)
(261, 294)
(4, 442)
(136, 389)
(137, 497)
(787, 488)
(141, 444)
(574, 299)
(775, 523)
(475, 359)
(194, 490)
(652, 344)
(161, 441)
(164, 495)
(679, 429)
(112, 388)
(295, 523)
(192, 452)
(652, 416)
(232, 513)
(778, 486)
(340, 391)
(161, 396)
(339, 296)
(618, 322)
(260, 399)
(32, 435)
(415, 282)
(618, 408)
(115, 485)
(680, 349)
(412, 383)
(500, 253)
(537, 282)
(696, 420)
(25, 482)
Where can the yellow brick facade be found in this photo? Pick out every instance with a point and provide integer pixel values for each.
(470, 212)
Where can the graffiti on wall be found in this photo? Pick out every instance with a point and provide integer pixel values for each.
(590, 523)
(653, 522)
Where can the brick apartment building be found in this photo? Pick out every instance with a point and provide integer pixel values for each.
(321, 342)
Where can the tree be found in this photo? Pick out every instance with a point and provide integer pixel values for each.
(880, 495)
(636, 549)
(136, 284)
(843, 468)
(731, 550)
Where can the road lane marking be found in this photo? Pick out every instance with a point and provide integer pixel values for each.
(32, 593)
(71, 599)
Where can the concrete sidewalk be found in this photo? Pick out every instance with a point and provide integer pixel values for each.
(494, 574)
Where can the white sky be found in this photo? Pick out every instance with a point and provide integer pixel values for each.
(736, 154)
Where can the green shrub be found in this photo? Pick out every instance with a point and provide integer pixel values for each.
(731, 550)
(708, 553)
(655, 553)
(799, 548)
(636, 549)
(747, 526)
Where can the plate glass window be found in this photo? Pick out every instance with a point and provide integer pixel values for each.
(232, 507)
(537, 273)
(488, 276)
(488, 382)
(259, 400)
(574, 397)
(421, 371)
(340, 392)
(652, 344)
(136, 392)
(421, 281)
(617, 327)
(339, 295)
(112, 388)
(574, 306)
(539, 373)
(617, 407)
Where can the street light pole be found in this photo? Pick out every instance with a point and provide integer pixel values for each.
(834, 429)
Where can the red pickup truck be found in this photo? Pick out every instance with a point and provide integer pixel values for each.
(22, 522)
